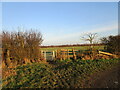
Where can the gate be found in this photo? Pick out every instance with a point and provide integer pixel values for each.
(48, 55)
(61, 54)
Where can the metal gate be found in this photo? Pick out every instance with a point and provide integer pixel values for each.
(49, 55)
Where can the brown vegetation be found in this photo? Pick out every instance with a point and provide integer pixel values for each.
(20, 48)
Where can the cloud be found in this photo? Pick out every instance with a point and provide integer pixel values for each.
(105, 29)
(75, 37)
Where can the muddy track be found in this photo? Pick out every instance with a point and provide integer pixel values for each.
(109, 78)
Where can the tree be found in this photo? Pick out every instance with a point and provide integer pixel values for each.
(112, 43)
(90, 37)
(104, 40)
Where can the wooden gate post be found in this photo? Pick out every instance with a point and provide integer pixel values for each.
(68, 54)
(60, 54)
(53, 55)
(74, 56)
(45, 55)
(64, 56)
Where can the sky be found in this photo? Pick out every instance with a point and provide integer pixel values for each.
(62, 22)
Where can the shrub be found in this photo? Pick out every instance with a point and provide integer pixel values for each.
(112, 43)
(21, 47)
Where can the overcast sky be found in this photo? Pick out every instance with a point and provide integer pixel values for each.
(62, 22)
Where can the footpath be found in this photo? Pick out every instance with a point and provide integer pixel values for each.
(109, 78)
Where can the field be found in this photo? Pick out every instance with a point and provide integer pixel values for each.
(75, 52)
(74, 47)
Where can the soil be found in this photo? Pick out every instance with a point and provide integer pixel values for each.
(109, 78)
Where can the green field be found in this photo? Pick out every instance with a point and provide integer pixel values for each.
(74, 47)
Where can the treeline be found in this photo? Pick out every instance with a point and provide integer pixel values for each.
(112, 44)
(20, 48)
(71, 45)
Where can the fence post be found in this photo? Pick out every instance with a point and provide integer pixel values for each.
(74, 56)
(53, 55)
(64, 56)
(68, 53)
(61, 54)
(45, 55)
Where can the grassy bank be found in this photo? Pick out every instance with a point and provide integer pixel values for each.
(59, 74)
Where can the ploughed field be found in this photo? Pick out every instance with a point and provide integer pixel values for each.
(63, 74)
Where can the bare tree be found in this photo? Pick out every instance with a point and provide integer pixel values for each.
(90, 37)
(104, 40)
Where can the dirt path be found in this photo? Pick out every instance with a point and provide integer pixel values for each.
(109, 78)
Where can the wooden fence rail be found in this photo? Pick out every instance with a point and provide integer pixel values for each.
(61, 54)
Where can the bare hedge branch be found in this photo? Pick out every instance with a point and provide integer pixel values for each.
(21, 47)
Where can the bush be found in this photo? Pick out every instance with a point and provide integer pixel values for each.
(112, 44)
(21, 47)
